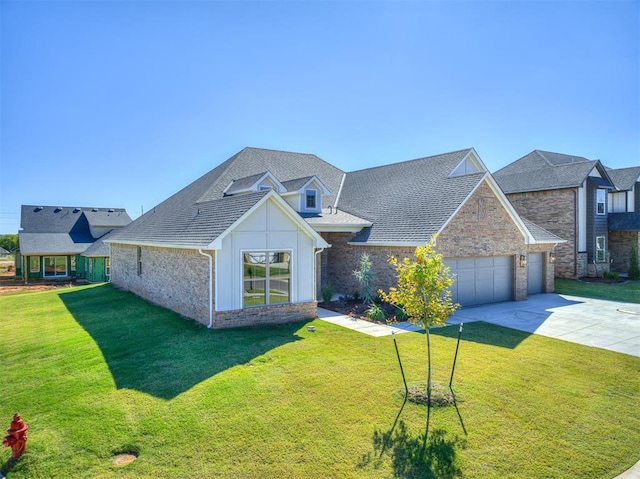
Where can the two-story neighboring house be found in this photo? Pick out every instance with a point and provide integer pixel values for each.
(567, 195)
(624, 216)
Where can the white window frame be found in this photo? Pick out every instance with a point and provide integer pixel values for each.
(307, 197)
(34, 264)
(601, 199)
(601, 253)
(107, 266)
(266, 279)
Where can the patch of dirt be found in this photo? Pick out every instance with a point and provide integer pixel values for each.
(124, 459)
(355, 309)
(9, 284)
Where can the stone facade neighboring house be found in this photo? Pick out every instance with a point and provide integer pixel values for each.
(580, 200)
(60, 242)
(254, 240)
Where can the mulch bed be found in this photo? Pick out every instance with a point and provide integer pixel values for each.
(355, 309)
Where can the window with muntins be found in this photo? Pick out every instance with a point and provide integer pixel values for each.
(601, 202)
(310, 196)
(266, 278)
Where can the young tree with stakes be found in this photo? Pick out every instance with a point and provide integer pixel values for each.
(423, 294)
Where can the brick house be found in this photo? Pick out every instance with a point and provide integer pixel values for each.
(254, 240)
(568, 196)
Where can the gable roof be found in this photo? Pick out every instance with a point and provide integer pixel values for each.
(544, 170)
(64, 229)
(624, 178)
(408, 202)
(540, 234)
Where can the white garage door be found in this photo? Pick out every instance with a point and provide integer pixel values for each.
(535, 270)
(481, 280)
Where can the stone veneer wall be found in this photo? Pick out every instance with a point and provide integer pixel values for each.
(482, 227)
(265, 315)
(620, 249)
(177, 279)
(555, 211)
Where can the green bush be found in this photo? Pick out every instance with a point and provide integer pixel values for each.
(375, 312)
(366, 278)
(327, 293)
(610, 275)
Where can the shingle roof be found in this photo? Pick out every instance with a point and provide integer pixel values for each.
(64, 230)
(624, 221)
(407, 202)
(543, 170)
(541, 235)
(624, 178)
(334, 217)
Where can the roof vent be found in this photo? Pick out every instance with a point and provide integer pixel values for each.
(38, 208)
(94, 209)
(111, 210)
(77, 210)
(58, 209)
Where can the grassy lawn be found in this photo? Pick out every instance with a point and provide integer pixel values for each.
(95, 371)
(628, 291)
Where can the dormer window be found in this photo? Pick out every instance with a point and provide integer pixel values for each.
(310, 196)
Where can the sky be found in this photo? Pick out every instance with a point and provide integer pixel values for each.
(123, 103)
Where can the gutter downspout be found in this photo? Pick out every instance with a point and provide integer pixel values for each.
(315, 275)
(210, 286)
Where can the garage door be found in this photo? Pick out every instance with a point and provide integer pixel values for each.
(535, 270)
(481, 280)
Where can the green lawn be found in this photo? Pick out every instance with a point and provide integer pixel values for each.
(95, 371)
(628, 291)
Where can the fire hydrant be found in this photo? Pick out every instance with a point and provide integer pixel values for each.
(16, 437)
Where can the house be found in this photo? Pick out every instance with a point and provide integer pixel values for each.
(567, 195)
(64, 242)
(254, 240)
(624, 216)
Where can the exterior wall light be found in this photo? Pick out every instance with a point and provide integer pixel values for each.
(552, 257)
(523, 260)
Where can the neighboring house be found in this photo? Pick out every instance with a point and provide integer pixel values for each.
(254, 240)
(624, 216)
(567, 195)
(64, 242)
(4, 253)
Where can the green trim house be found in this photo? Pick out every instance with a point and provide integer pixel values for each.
(66, 242)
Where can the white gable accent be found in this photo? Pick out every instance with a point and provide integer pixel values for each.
(269, 226)
(470, 164)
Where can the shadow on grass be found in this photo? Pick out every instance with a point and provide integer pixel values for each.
(411, 458)
(484, 333)
(155, 351)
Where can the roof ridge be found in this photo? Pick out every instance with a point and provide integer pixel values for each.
(410, 161)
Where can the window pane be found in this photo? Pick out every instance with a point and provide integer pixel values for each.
(253, 293)
(49, 266)
(311, 198)
(279, 290)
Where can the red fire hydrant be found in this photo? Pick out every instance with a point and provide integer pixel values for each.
(16, 437)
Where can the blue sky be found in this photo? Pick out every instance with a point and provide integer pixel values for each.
(123, 103)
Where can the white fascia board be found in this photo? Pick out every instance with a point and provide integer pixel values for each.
(411, 244)
(503, 201)
(338, 228)
(319, 242)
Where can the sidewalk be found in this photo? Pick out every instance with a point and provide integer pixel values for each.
(366, 327)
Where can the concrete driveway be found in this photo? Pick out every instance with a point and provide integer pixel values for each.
(593, 322)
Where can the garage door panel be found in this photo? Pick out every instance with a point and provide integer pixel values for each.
(481, 280)
(535, 272)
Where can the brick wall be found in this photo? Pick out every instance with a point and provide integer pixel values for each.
(620, 248)
(177, 279)
(265, 315)
(555, 211)
(482, 227)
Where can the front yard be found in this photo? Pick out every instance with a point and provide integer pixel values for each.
(95, 372)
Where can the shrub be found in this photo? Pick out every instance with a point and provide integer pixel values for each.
(327, 293)
(375, 312)
(610, 275)
(367, 279)
(634, 268)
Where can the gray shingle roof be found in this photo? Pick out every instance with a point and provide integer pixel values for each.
(407, 202)
(543, 170)
(64, 230)
(541, 235)
(334, 217)
(624, 178)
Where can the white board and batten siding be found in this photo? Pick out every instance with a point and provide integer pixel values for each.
(267, 228)
(481, 280)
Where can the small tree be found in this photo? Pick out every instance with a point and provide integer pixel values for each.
(367, 279)
(423, 294)
(634, 268)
